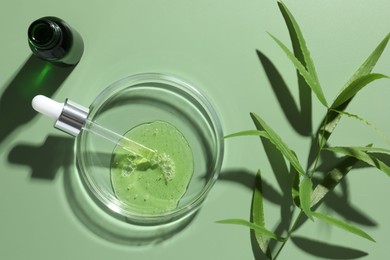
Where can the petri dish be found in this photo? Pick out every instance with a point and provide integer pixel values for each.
(141, 99)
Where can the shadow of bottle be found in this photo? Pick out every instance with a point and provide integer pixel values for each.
(35, 77)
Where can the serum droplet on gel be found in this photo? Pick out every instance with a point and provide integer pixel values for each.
(159, 183)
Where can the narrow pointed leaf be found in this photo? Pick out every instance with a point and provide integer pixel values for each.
(363, 154)
(257, 202)
(370, 62)
(258, 213)
(289, 19)
(355, 86)
(370, 149)
(343, 225)
(248, 133)
(278, 142)
(379, 132)
(332, 118)
(332, 179)
(305, 192)
(313, 84)
(255, 227)
(301, 52)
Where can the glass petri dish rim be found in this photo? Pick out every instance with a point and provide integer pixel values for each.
(112, 202)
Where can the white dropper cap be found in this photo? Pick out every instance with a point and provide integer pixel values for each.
(47, 106)
(69, 116)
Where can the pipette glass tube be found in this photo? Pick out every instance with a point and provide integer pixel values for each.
(126, 143)
(72, 118)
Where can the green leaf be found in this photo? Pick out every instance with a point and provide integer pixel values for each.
(248, 133)
(332, 179)
(343, 225)
(278, 142)
(290, 20)
(354, 87)
(305, 93)
(255, 227)
(332, 118)
(258, 214)
(257, 203)
(379, 132)
(305, 192)
(313, 84)
(363, 154)
(371, 149)
(370, 62)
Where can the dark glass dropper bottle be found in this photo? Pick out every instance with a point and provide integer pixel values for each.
(52, 39)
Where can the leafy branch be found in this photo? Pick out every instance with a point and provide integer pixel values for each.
(304, 196)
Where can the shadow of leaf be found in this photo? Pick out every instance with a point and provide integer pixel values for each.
(299, 120)
(341, 203)
(285, 180)
(247, 179)
(345, 209)
(325, 250)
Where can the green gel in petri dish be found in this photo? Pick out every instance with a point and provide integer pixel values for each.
(153, 186)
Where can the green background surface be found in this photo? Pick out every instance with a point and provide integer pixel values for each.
(211, 44)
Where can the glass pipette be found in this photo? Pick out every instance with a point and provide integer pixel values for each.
(72, 118)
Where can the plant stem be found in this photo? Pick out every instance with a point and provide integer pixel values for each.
(280, 249)
(290, 232)
(321, 141)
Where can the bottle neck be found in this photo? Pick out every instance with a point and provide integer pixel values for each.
(44, 34)
(52, 39)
